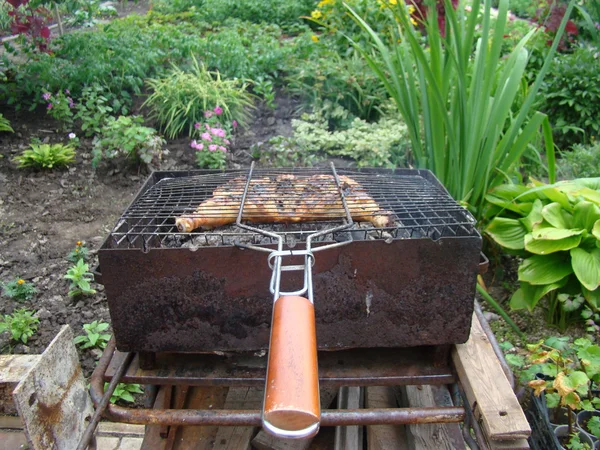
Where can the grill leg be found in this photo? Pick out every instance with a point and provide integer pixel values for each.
(147, 360)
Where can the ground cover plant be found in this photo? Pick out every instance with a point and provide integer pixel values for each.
(46, 156)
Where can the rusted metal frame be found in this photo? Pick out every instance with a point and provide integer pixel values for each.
(104, 401)
(381, 416)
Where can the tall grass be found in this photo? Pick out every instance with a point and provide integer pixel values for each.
(457, 92)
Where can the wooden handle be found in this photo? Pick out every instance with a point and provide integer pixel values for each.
(292, 407)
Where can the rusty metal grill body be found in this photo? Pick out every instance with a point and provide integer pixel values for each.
(407, 284)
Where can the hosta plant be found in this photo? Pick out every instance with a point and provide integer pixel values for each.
(46, 156)
(556, 229)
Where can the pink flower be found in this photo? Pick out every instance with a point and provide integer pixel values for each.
(208, 114)
(71, 104)
(46, 96)
(234, 124)
(206, 137)
(193, 143)
(212, 147)
(49, 106)
(223, 149)
(218, 132)
(226, 141)
(197, 125)
(207, 126)
(67, 92)
(200, 146)
(218, 110)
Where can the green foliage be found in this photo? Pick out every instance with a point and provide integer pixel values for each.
(332, 83)
(80, 252)
(19, 289)
(456, 94)
(213, 140)
(284, 13)
(94, 335)
(571, 97)
(245, 50)
(179, 99)
(21, 324)
(381, 144)
(60, 107)
(80, 279)
(93, 109)
(556, 228)
(124, 392)
(87, 12)
(207, 159)
(127, 137)
(46, 156)
(281, 151)
(594, 426)
(263, 87)
(583, 161)
(5, 124)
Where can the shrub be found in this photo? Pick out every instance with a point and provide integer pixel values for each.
(19, 289)
(556, 228)
(571, 97)
(46, 156)
(21, 324)
(127, 137)
(583, 161)
(178, 100)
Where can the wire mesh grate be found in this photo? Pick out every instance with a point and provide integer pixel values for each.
(293, 203)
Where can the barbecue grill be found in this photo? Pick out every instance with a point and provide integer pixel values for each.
(405, 280)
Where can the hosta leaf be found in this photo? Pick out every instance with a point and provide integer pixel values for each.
(556, 216)
(596, 230)
(511, 191)
(550, 233)
(508, 233)
(592, 297)
(534, 217)
(527, 296)
(545, 240)
(546, 269)
(586, 266)
(520, 208)
(585, 215)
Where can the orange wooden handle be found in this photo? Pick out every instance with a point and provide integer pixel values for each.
(292, 407)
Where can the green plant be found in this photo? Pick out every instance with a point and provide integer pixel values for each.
(79, 252)
(178, 100)
(5, 124)
(571, 97)
(594, 426)
(45, 156)
(125, 392)
(94, 335)
(556, 228)
(19, 289)
(211, 148)
(126, 136)
(456, 93)
(93, 109)
(583, 161)
(21, 324)
(60, 106)
(80, 279)
(263, 87)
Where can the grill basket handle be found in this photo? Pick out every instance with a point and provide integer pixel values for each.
(292, 406)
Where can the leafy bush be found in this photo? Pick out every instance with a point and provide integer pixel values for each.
(370, 144)
(5, 124)
(244, 50)
(556, 228)
(94, 335)
(127, 137)
(21, 324)
(46, 156)
(571, 97)
(328, 81)
(60, 106)
(583, 161)
(19, 289)
(178, 100)
(94, 109)
(80, 279)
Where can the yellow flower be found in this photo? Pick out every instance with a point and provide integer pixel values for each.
(413, 21)
(315, 38)
(20, 281)
(78, 243)
(411, 9)
(76, 250)
(325, 3)
(316, 14)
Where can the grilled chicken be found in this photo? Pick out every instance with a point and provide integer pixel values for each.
(285, 199)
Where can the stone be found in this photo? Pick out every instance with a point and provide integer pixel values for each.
(130, 443)
(107, 443)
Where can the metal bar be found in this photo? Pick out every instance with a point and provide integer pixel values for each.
(105, 400)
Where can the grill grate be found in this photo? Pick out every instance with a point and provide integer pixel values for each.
(417, 208)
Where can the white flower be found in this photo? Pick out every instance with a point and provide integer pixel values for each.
(72, 135)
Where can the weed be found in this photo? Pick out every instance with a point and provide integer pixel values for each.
(21, 324)
(94, 335)
(46, 156)
(125, 392)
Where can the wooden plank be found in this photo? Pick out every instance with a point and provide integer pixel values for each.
(384, 437)
(435, 436)
(517, 444)
(11, 423)
(52, 399)
(238, 438)
(13, 369)
(488, 391)
(264, 441)
(349, 438)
